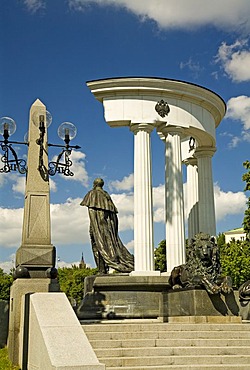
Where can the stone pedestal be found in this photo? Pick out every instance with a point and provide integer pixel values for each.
(183, 304)
(122, 296)
(21, 287)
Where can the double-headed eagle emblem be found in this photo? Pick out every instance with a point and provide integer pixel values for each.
(162, 108)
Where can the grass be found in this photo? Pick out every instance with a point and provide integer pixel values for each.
(5, 363)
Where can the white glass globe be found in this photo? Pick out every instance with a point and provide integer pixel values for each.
(7, 123)
(36, 117)
(67, 129)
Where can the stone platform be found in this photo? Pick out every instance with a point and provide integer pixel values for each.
(123, 296)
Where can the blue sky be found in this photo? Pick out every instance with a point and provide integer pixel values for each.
(49, 49)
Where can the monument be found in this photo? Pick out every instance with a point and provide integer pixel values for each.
(185, 117)
(36, 254)
(35, 258)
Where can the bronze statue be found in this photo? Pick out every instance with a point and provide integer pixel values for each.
(202, 269)
(107, 247)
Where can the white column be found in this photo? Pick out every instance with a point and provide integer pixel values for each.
(192, 197)
(207, 222)
(175, 233)
(143, 205)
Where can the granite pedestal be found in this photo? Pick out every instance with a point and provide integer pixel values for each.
(123, 296)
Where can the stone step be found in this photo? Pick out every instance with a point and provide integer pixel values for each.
(183, 367)
(110, 335)
(125, 343)
(169, 351)
(174, 360)
(159, 346)
(119, 327)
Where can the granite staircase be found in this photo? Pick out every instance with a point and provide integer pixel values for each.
(159, 346)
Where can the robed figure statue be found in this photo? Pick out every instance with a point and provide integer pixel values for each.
(107, 247)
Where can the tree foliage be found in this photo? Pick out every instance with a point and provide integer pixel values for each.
(235, 261)
(5, 284)
(246, 178)
(71, 281)
(160, 257)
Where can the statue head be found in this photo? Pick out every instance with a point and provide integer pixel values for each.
(98, 183)
(203, 250)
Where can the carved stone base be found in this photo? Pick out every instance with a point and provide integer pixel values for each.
(36, 258)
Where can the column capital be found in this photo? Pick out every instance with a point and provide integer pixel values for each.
(163, 130)
(192, 161)
(204, 152)
(135, 127)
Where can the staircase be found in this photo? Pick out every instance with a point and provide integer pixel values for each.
(159, 346)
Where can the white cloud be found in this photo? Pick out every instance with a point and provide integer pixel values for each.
(7, 266)
(35, 5)
(193, 66)
(225, 14)
(159, 203)
(78, 168)
(11, 227)
(228, 203)
(70, 223)
(238, 108)
(130, 246)
(127, 183)
(235, 60)
(19, 185)
(125, 205)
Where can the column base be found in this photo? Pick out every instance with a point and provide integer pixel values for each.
(145, 273)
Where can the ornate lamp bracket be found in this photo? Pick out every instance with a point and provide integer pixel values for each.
(7, 128)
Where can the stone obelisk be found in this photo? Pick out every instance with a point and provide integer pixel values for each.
(35, 258)
(36, 253)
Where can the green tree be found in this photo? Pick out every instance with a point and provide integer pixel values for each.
(71, 281)
(220, 240)
(246, 221)
(160, 257)
(235, 261)
(5, 284)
